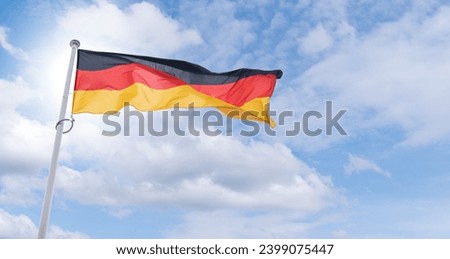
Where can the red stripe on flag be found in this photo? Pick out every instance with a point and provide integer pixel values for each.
(122, 76)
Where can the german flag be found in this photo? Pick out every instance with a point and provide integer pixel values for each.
(105, 82)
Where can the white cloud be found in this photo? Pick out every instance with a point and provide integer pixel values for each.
(224, 33)
(55, 232)
(119, 213)
(12, 226)
(329, 26)
(357, 164)
(4, 43)
(205, 177)
(209, 172)
(16, 87)
(317, 40)
(395, 75)
(20, 190)
(323, 9)
(21, 226)
(140, 27)
(25, 143)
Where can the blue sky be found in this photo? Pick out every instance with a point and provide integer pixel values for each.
(386, 62)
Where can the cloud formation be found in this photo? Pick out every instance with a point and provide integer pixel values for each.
(357, 164)
(383, 74)
(317, 40)
(4, 43)
(21, 226)
(140, 27)
(202, 173)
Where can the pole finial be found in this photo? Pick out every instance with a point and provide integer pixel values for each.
(74, 43)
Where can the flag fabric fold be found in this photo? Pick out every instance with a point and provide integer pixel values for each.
(105, 82)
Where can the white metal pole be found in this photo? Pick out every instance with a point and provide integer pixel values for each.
(46, 206)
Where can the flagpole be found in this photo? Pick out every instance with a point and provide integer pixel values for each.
(46, 206)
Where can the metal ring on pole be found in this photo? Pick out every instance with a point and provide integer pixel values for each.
(71, 120)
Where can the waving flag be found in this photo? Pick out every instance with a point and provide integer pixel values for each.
(105, 82)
